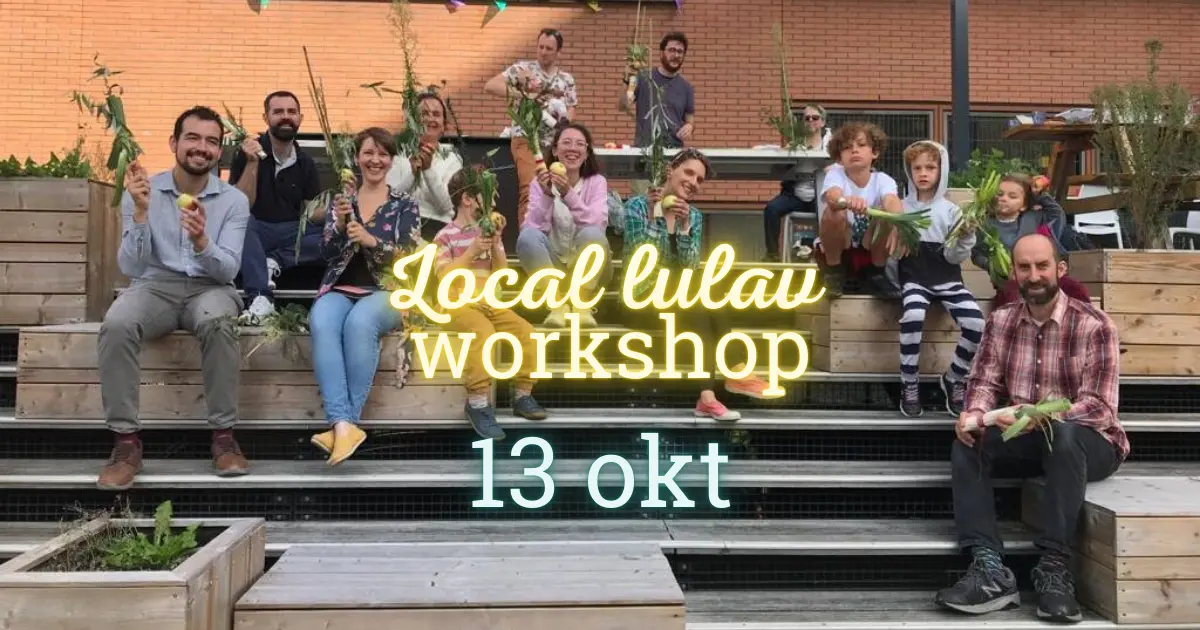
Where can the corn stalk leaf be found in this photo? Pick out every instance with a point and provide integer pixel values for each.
(908, 226)
(111, 109)
(785, 122)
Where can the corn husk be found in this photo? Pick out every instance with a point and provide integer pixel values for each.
(111, 109)
(908, 226)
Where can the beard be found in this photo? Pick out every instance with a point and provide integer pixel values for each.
(283, 131)
(1039, 293)
(185, 164)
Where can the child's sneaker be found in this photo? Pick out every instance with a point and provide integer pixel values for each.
(483, 420)
(273, 271)
(557, 318)
(751, 386)
(956, 394)
(834, 280)
(881, 285)
(528, 408)
(910, 399)
(716, 411)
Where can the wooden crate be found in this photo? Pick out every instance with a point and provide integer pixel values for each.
(58, 380)
(58, 251)
(199, 594)
(1137, 557)
(468, 586)
(1153, 297)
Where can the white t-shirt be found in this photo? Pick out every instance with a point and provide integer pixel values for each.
(878, 186)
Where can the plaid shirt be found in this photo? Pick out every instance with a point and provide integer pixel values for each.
(1073, 355)
(675, 251)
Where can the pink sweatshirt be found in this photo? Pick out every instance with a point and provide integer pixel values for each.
(590, 207)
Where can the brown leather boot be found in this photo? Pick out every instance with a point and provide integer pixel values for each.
(123, 465)
(228, 460)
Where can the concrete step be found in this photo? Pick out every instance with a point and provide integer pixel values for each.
(648, 419)
(862, 610)
(517, 473)
(692, 537)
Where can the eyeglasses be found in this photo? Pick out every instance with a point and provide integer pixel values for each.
(573, 144)
(811, 118)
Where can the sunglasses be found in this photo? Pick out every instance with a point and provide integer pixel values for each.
(811, 118)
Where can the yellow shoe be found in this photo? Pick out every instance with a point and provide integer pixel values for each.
(344, 446)
(323, 441)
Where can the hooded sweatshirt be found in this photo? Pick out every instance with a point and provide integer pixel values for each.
(933, 263)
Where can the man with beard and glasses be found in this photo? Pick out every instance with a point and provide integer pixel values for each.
(678, 99)
(1048, 345)
(181, 256)
(278, 179)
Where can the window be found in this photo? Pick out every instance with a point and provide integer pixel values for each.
(902, 128)
(987, 133)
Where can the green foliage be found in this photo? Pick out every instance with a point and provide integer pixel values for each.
(72, 165)
(135, 551)
(980, 165)
(111, 109)
(1146, 131)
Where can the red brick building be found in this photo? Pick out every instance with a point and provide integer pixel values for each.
(884, 59)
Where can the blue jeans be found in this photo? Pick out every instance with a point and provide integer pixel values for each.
(533, 248)
(345, 347)
(278, 241)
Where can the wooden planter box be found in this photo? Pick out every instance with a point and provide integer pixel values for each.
(199, 594)
(1153, 297)
(58, 250)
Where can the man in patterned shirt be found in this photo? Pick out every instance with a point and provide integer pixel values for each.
(1048, 345)
(554, 87)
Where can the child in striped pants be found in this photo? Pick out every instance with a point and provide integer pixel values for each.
(934, 273)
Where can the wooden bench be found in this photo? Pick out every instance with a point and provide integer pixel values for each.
(1153, 297)
(58, 379)
(1137, 557)
(57, 250)
(498, 586)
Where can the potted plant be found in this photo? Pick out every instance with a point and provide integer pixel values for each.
(128, 573)
(1148, 142)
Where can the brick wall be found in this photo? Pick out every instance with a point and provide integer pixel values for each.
(176, 54)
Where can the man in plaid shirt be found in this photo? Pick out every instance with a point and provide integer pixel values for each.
(1048, 345)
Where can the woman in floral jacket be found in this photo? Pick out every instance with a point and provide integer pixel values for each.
(366, 230)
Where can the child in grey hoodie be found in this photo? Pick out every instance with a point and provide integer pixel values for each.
(934, 272)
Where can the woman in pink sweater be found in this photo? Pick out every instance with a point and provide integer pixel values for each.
(566, 214)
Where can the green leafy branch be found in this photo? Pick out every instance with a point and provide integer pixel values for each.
(786, 122)
(111, 109)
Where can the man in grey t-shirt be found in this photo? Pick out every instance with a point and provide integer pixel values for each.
(678, 99)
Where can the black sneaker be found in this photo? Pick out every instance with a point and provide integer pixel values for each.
(834, 280)
(483, 420)
(981, 590)
(956, 394)
(910, 399)
(528, 408)
(1055, 587)
(881, 286)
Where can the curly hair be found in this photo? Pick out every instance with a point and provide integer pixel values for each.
(843, 138)
(919, 148)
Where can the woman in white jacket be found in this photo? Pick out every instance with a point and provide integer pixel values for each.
(436, 163)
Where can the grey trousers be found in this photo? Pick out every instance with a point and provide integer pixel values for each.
(151, 309)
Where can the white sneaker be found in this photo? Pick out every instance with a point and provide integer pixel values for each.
(273, 271)
(257, 312)
(586, 318)
(557, 318)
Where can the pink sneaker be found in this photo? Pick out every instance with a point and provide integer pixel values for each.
(751, 386)
(716, 411)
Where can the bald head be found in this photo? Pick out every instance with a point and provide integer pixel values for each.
(1037, 266)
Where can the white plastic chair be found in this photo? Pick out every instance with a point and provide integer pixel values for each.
(1100, 223)
(1192, 229)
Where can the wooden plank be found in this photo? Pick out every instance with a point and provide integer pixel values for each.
(1157, 568)
(1096, 586)
(91, 608)
(869, 313)
(53, 348)
(549, 618)
(1147, 360)
(248, 378)
(47, 550)
(44, 227)
(43, 252)
(43, 278)
(821, 335)
(284, 402)
(43, 193)
(851, 356)
(1136, 266)
(32, 309)
(104, 230)
(1141, 329)
(1171, 299)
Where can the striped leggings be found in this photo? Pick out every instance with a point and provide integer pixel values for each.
(961, 306)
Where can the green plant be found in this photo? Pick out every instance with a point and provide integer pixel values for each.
(1149, 144)
(111, 109)
(786, 123)
(980, 165)
(73, 164)
(135, 551)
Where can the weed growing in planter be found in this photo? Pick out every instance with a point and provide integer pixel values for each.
(126, 548)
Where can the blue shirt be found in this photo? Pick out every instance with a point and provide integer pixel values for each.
(160, 247)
